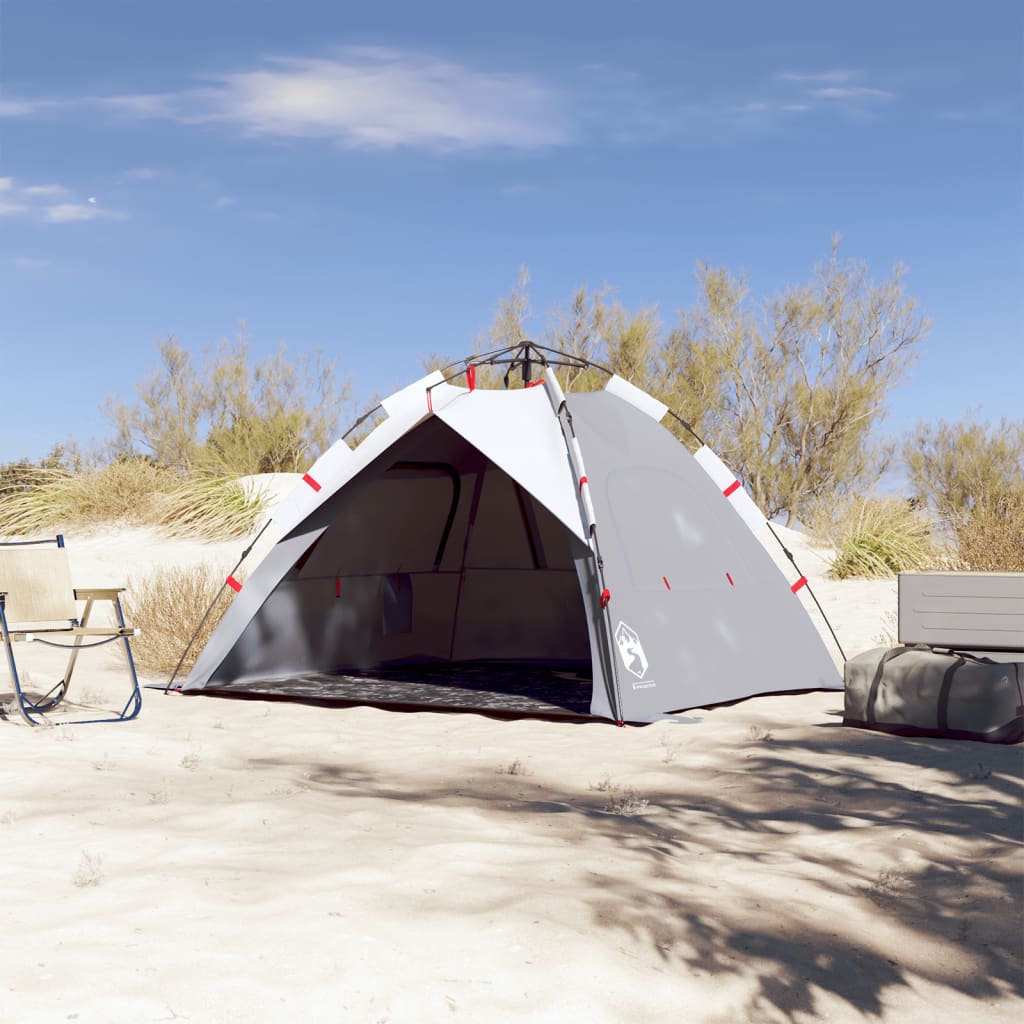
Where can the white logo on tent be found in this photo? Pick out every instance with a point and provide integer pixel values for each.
(631, 650)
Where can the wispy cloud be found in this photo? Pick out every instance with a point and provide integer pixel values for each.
(30, 262)
(839, 90)
(50, 203)
(138, 174)
(223, 202)
(11, 209)
(834, 76)
(44, 191)
(374, 99)
(852, 92)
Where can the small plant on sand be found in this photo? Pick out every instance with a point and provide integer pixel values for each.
(879, 537)
(515, 767)
(603, 785)
(167, 607)
(89, 871)
(628, 804)
(886, 637)
(889, 885)
(190, 760)
(211, 506)
(759, 735)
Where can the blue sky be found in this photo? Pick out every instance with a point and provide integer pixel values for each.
(369, 178)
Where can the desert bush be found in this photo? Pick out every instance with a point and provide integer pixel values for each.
(990, 538)
(878, 537)
(211, 507)
(271, 415)
(168, 606)
(47, 499)
(955, 466)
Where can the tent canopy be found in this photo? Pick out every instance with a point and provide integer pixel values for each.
(466, 528)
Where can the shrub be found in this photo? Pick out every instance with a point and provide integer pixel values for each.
(168, 607)
(878, 537)
(991, 537)
(46, 499)
(211, 507)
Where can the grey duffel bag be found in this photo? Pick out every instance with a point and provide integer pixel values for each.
(915, 691)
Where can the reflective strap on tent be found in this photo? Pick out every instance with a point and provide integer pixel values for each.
(730, 487)
(621, 388)
(576, 457)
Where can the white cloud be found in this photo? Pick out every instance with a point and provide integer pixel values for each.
(223, 202)
(372, 98)
(18, 108)
(65, 213)
(44, 191)
(817, 76)
(40, 202)
(30, 262)
(852, 92)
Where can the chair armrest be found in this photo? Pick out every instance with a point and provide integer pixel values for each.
(98, 593)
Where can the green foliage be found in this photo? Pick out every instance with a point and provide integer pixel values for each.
(788, 392)
(165, 421)
(232, 414)
(955, 467)
(879, 537)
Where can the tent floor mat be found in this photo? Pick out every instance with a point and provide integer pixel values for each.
(490, 688)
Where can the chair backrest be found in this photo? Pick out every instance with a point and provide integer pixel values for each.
(38, 585)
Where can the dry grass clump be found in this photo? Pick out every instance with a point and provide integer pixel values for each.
(168, 606)
(879, 537)
(46, 499)
(990, 538)
(211, 507)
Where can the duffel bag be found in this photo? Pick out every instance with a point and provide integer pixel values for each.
(917, 691)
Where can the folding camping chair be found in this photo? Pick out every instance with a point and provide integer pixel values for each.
(38, 604)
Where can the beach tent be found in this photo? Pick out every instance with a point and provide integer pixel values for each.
(525, 527)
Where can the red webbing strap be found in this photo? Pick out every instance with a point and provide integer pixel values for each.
(606, 596)
(233, 584)
(732, 488)
(802, 582)
(471, 377)
(307, 479)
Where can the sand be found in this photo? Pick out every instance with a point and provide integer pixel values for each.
(239, 861)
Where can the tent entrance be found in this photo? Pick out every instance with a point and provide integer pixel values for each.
(431, 568)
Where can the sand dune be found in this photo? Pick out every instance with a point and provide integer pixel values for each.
(223, 861)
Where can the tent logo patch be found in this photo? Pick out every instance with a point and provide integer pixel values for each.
(631, 650)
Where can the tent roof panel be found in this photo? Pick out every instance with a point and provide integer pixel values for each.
(519, 432)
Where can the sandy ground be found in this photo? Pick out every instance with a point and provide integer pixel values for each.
(223, 861)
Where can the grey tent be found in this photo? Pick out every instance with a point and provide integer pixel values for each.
(521, 527)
